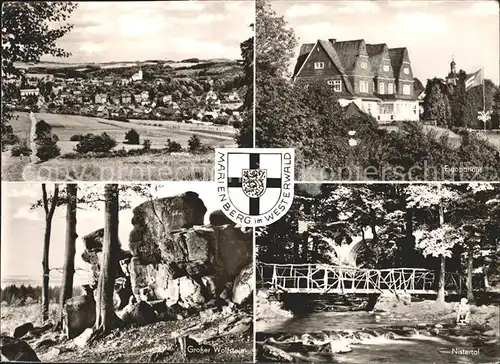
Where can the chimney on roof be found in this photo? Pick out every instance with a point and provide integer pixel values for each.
(332, 40)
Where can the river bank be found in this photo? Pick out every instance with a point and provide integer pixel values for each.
(422, 331)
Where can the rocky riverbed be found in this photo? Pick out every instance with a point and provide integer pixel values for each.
(420, 332)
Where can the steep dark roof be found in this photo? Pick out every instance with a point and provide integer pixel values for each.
(305, 49)
(376, 53)
(397, 56)
(353, 110)
(348, 51)
(332, 53)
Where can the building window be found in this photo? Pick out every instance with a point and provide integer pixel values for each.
(406, 70)
(337, 85)
(415, 109)
(381, 88)
(406, 90)
(390, 88)
(319, 65)
(364, 65)
(363, 86)
(386, 68)
(387, 109)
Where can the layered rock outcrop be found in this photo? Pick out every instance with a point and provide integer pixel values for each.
(175, 257)
(189, 263)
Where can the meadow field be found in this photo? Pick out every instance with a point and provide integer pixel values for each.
(151, 166)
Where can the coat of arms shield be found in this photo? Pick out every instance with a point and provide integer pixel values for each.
(255, 186)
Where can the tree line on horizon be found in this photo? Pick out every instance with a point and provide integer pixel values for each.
(16, 295)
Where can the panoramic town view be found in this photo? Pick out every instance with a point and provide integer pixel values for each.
(380, 90)
(114, 95)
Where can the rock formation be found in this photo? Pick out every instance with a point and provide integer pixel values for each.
(175, 257)
(190, 263)
(16, 350)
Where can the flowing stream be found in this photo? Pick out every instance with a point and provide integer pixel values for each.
(383, 341)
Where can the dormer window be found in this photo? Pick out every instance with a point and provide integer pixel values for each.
(406, 70)
(364, 65)
(381, 88)
(386, 68)
(390, 88)
(406, 90)
(319, 65)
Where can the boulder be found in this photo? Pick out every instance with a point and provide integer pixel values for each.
(218, 218)
(243, 285)
(141, 314)
(51, 354)
(82, 340)
(93, 254)
(79, 313)
(491, 332)
(16, 350)
(189, 263)
(340, 346)
(275, 354)
(388, 301)
(22, 330)
(190, 294)
(155, 221)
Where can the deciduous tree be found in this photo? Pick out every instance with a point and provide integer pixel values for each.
(49, 206)
(437, 242)
(30, 30)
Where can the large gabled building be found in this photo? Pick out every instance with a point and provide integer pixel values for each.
(377, 78)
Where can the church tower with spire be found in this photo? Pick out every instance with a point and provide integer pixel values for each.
(451, 79)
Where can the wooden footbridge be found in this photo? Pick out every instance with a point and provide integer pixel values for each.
(322, 278)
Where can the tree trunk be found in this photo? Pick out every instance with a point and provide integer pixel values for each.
(305, 247)
(49, 207)
(106, 318)
(442, 271)
(485, 275)
(373, 226)
(470, 257)
(46, 270)
(70, 249)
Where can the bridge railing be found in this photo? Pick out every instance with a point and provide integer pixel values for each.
(322, 278)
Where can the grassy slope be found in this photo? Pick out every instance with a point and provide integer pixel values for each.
(14, 316)
(66, 126)
(150, 167)
(156, 166)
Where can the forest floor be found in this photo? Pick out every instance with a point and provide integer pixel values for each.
(229, 333)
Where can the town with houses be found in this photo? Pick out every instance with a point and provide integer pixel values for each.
(122, 98)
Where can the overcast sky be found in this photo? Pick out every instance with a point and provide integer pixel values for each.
(22, 229)
(433, 31)
(142, 30)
